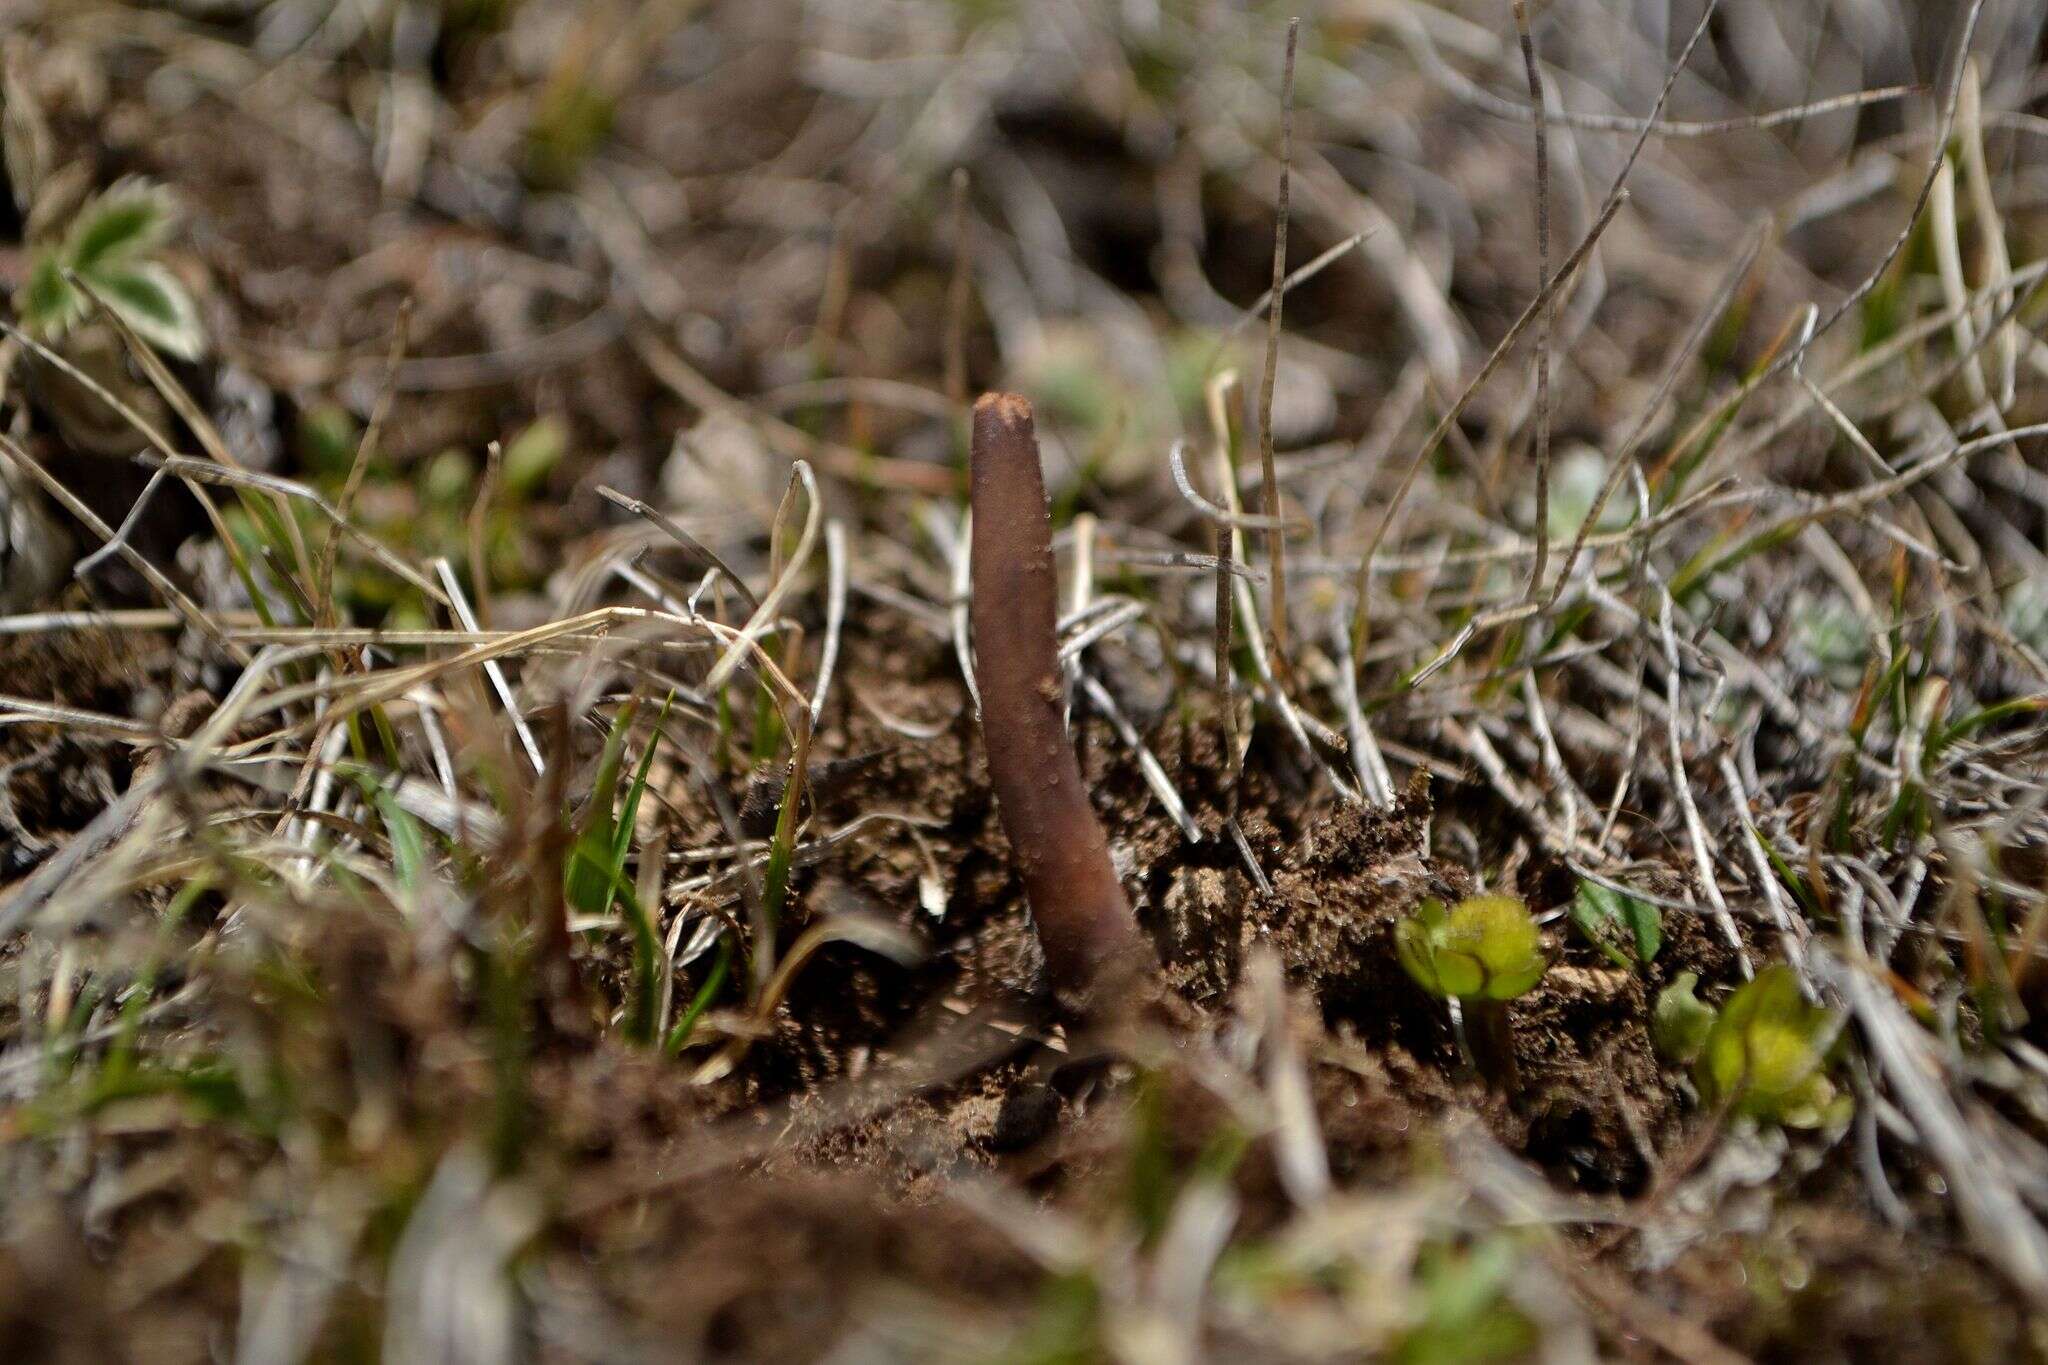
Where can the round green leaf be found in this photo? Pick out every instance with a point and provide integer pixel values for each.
(1461, 972)
(1413, 948)
(1500, 934)
(1767, 1053)
(1681, 1021)
(1485, 947)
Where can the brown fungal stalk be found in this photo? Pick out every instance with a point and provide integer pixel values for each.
(1085, 925)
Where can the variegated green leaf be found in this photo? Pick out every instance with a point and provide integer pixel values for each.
(128, 221)
(152, 301)
(47, 302)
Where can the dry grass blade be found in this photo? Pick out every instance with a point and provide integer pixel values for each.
(839, 461)
(366, 451)
(958, 296)
(177, 597)
(1547, 320)
(765, 610)
(203, 471)
(1959, 53)
(1276, 539)
(2003, 1226)
(695, 548)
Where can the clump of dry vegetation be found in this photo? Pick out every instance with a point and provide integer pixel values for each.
(537, 823)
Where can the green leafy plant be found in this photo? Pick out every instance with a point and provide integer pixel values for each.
(432, 509)
(1482, 952)
(1765, 1055)
(1618, 924)
(1834, 637)
(595, 878)
(110, 250)
(1483, 948)
(1680, 1021)
(533, 454)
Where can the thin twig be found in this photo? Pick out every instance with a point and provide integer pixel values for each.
(695, 548)
(1362, 586)
(168, 590)
(958, 296)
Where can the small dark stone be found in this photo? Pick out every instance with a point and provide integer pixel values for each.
(1027, 1113)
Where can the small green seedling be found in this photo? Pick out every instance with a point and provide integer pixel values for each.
(1483, 948)
(1482, 952)
(572, 121)
(1681, 1021)
(1765, 1055)
(110, 247)
(1626, 929)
